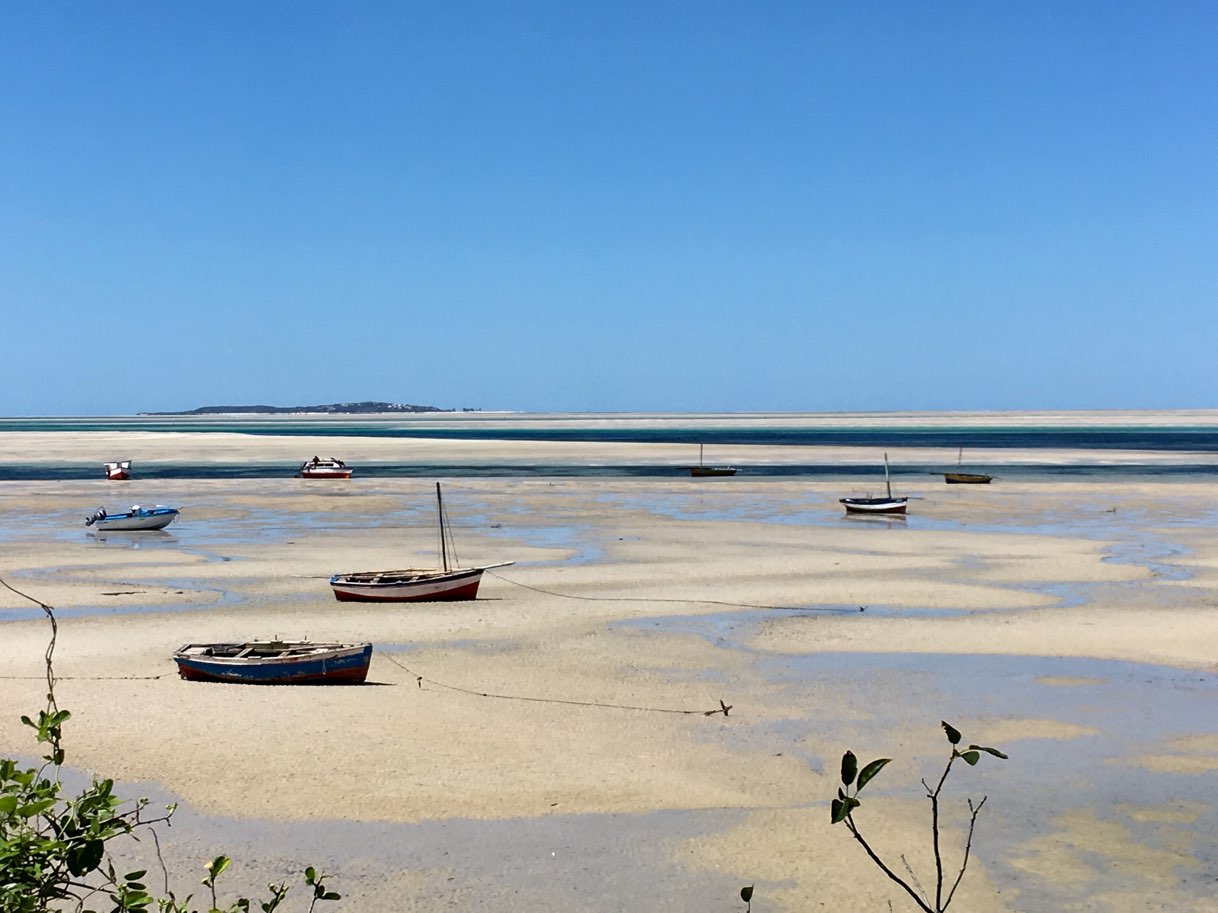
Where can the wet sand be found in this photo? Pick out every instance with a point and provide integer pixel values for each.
(525, 751)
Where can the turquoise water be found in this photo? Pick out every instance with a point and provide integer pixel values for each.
(738, 430)
(980, 440)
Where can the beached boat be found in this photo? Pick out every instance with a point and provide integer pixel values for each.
(119, 471)
(869, 505)
(137, 518)
(332, 468)
(965, 478)
(275, 662)
(702, 470)
(446, 583)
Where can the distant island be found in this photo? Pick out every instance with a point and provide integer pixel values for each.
(364, 408)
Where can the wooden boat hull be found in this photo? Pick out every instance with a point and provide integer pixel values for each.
(702, 471)
(966, 478)
(410, 585)
(130, 521)
(874, 505)
(275, 663)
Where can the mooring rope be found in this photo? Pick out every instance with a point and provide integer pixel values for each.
(88, 678)
(718, 602)
(420, 680)
(50, 677)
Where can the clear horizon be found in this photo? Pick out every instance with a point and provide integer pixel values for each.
(535, 207)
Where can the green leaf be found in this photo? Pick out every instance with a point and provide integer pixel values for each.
(331, 895)
(215, 868)
(994, 751)
(971, 757)
(850, 767)
(840, 811)
(34, 808)
(8, 804)
(746, 894)
(310, 875)
(871, 770)
(85, 857)
(953, 735)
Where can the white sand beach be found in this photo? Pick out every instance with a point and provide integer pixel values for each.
(555, 726)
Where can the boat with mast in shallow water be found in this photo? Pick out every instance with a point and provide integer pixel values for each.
(703, 471)
(447, 583)
(965, 478)
(869, 505)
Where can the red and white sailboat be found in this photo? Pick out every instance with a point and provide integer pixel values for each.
(446, 583)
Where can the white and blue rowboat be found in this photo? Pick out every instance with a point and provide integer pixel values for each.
(275, 662)
(157, 517)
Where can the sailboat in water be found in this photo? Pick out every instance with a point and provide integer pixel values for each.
(703, 470)
(447, 583)
(869, 505)
(965, 478)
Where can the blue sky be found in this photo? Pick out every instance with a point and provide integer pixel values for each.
(552, 206)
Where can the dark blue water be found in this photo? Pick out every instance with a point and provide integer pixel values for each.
(608, 429)
(909, 473)
(716, 432)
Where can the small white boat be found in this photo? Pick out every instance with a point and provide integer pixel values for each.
(318, 468)
(137, 518)
(119, 471)
(869, 505)
(443, 584)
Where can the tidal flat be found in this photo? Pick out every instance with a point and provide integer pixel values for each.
(546, 748)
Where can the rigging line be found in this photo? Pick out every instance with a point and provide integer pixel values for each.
(722, 708)
(733, 605)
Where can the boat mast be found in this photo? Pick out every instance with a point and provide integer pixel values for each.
(700, 446)
(443, 538)
(887, 479)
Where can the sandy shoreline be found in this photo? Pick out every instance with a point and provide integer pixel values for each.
(1016, 611)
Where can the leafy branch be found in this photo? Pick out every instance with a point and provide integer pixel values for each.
(847, 802)
(54, 846)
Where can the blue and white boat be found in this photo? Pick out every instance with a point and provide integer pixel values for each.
(157, 517)
(275, 662)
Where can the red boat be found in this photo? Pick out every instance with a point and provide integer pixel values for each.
(332, 468)
(441, 584)
(118, 472)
